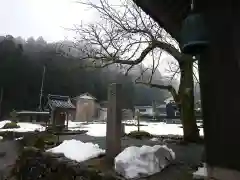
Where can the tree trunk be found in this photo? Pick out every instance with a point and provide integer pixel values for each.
(186, 96)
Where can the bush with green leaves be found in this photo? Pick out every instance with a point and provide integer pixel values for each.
(139, 134)
(11, 125)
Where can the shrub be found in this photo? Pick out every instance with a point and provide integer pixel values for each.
(11, 135)
(139, 134)
(39, 140)
(10, 125)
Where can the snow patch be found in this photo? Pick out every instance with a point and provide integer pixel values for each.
(136, 162)
(1, 138)
(72, 124)
(98, 129)
(20, 138)
(201, 173)
(157, 128)
(24, 127)
(77, 150)
(154, 139)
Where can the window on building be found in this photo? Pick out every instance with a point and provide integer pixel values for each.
(142, 110)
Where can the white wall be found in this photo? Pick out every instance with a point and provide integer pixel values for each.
(148, 111)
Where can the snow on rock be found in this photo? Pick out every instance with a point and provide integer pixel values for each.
(24, 127)
(77, 150)
(136, 162)
(2, 123)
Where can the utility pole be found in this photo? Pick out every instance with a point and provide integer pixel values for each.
(41, 90)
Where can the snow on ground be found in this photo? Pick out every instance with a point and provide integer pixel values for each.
(20, 138)
(154, 139)
(201, 173)
(77, 150)
(135, 162)
(24, 127)
(72, 124)
(96, 130)
(133, 121)
(154, 128)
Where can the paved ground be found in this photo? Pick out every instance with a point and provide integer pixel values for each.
(188, 156)
(6, 162)
(190, 153)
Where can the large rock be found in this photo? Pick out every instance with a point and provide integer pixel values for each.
(136, 162)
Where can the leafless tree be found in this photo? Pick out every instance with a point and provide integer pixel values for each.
(174, 72)
(125, 35)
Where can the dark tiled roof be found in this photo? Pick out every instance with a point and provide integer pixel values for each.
(56, 101)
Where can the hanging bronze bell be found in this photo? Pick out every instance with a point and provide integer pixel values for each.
(194, 35)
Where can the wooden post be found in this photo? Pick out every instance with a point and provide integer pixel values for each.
(114, 126)
(138, 120)
(53, 123)
(67, 119)
(1, 99)
(123, 129)
(219, 70)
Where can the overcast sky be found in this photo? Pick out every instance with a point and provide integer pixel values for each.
(47, 18)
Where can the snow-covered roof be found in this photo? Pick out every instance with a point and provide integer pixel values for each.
(85, 96)
(137, 107)
(32, 112)
(161, 106)
(168, 100)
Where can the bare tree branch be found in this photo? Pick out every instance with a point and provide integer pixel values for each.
(124, 33)
(163, 87)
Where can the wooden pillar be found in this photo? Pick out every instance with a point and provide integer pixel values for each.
(53, 117)
(114, 117)
(219, 70)
(67, 119)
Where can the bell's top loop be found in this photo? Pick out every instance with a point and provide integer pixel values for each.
(192, 5)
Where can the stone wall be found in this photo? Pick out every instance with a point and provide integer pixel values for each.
(34, 164)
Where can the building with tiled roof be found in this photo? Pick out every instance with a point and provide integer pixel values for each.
(61, 108)
(57, 101)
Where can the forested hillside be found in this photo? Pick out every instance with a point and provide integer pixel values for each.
(21, 67)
